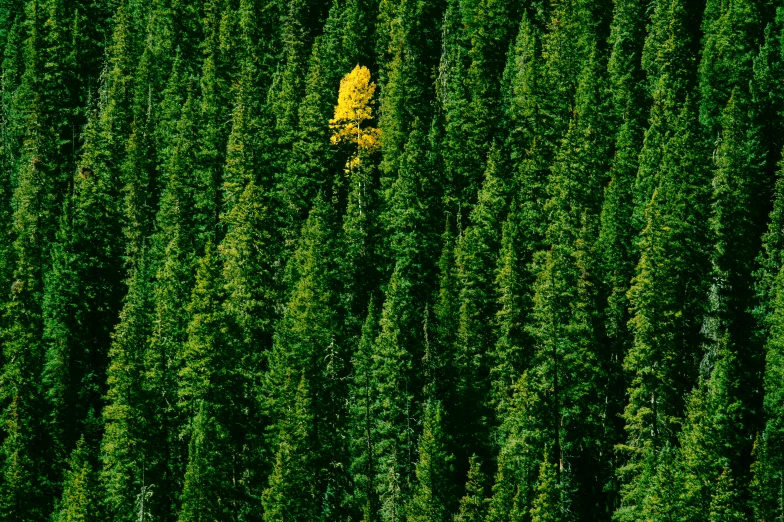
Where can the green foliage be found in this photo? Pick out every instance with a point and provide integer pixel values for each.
(291, 495)
(316, 260)
(725, 503)
(433, 496)
(547, 504)
(81, 500)
(473, 506)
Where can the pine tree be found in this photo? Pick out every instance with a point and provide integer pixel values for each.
(569, 363)
(81, 501)
(669, 60)
(433, 497)
(473, 506)
(491, 25)
(740, 176)
(123, 445)
(667, 297)
(512, 350)
(362, 403)
(524, 229)
(408, 44)
(251, 294)
(768, 498)
(477, 257)
(404, 337)
(397, 384)
(207, 490)
(725, 503)
(222, 479)
(616, 242)
(547, 504)
(40, 180)
(291, 495)
(518, 460)
(308, 342)
(713, 431)
(174, 249)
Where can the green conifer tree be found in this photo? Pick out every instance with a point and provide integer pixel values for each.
(616, 243)
(725, 505)
(433, 497)
(308, 342)
(547, 506)
(473, 506)
(667, 297)
(81, 501)
(362, 414)
(477, 257)
(291, 492)
(223, 479)
(125, 415)
(768, 478)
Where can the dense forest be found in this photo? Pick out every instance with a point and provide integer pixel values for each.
(391, 260)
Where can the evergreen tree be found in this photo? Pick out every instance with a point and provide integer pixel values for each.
(524, 229)
(473, 506)
(667, 297)
(308, 342)
(669, 60)
(768, 478)
(712, 433)
(740, 176)
(40, 184)
(362, 401)
(125, 416)
(433, 495)
(408, 55)
(725, 503)
(208, 490)
(291, 495)
(547, 504)
(518, 460)
(81, 496)
(616, 242)
(569, 366)
(477, 257)
(222, 480)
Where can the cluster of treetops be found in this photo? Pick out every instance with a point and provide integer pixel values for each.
(391, 260)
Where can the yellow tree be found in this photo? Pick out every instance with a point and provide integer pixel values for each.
(355, 108)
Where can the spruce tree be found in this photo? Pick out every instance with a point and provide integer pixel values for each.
(616, 242)
(123, 448)
(291, 492)
(523, 230)
(566, 326)
(740, 177)
(81, 501)
(473, 506)
(518, 460)
(725, 505)
(308, 342)
(433, 497)
(547, 504)
(477, 257)
(362, 402)
(768, 479)
(667, 298)
(223, 479)
(45, 108)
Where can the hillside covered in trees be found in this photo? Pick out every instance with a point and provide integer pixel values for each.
(391, 260)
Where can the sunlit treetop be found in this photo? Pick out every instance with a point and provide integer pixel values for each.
(354, 108)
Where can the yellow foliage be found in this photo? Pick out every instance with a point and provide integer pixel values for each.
(355, 101)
